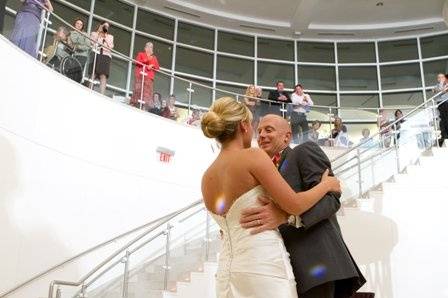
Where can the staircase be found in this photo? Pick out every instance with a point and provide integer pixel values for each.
(389, 234)
(190, 269)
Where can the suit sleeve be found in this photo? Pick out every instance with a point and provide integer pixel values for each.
(312, 163)
(271, 95)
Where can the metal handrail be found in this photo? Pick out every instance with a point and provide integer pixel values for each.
(394, 123)
(84, 253)
(237, 95)
(83, 279)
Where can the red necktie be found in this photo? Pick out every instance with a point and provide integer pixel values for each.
(276, 159)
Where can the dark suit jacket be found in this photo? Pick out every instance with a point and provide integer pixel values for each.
(317, 251)
(274, 95)
(2, 14)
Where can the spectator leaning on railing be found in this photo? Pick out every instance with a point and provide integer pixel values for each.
(252, 102)
(144, 77)
(103, 42)
(385, 131)
(2, 13)
(80, 42)
(398, 114)
(301, 104)
(27, 24)
(442, 84)
(313, 134)
(279, 96)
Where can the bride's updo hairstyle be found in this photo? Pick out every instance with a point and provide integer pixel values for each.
(222, 120)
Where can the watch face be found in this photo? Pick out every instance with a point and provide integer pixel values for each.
(291, 220)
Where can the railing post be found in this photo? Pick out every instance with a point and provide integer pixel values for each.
(41, 29)
(397, 155)
(238, 98)
(46, 21)
(207, 236)
(83, 292)
(435, 124)
(283, 111)
(190, 90)
(92, 78)
(125, 260)
(330, 115)
(143, 73)
(58, 293)
(167, 256)
(358, 159)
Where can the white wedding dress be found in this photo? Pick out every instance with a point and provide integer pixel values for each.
(255, 266)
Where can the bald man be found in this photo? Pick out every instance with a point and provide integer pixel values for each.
(322, 264)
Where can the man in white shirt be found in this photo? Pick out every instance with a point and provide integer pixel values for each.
(301, 105)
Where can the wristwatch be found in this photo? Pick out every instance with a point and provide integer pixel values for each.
(295, 221)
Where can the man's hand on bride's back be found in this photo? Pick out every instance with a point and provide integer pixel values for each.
(333, 183)
(263, 218)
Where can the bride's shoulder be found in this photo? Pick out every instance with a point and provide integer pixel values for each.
(256, 153)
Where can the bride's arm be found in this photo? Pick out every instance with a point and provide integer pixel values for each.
(262, 168)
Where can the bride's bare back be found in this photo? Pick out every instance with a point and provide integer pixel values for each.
(227, 178)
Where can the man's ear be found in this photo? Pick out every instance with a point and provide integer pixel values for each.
(288, 136)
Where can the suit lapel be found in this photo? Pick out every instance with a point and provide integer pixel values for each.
(283, 157)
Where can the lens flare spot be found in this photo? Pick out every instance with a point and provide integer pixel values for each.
(318, 271)
(220, 205)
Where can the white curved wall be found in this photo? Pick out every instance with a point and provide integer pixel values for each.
(97, 175)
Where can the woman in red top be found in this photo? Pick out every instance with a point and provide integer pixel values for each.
(148, 59)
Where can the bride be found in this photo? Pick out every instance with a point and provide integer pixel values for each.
(249, 265)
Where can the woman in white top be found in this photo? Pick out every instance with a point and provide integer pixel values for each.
(301, 105)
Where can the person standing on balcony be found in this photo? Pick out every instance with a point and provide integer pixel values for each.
(302, 103)
(145, 71)
(103, 43)
(2, 14)
(385, 131)
(27, 24)
(170, 111)
(80, 42)
(157, 108)
(251, 101)
(442, 84)
(279, 95)
(313, 135)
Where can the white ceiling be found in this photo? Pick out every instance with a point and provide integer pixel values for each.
(323, 19)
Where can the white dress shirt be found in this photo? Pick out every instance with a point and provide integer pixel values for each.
(301, 102)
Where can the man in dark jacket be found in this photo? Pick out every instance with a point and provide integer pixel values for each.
(322, 264)
(2, 14)
(277, 97)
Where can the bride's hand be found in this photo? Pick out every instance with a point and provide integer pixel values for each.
(333, 183)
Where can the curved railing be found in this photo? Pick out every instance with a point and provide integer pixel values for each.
(85, 253)
(319, 112)
(388, 152)
(164, 228)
